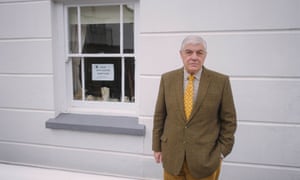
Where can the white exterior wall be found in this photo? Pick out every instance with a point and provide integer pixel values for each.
(256, 42)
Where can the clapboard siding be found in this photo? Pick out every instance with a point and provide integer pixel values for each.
(229, 15)
(256, 99)
(76, 159)
(236, 54)
(27, 92)
(26, 20)
(26, 57)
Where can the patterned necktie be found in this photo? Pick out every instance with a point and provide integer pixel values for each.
(188, 97)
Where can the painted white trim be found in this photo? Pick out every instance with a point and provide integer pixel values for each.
(96, 107)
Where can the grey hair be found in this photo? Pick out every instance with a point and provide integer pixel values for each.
(193, 39)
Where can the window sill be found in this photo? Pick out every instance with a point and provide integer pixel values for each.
(97, 124)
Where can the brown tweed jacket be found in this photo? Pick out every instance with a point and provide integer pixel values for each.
(206, 135)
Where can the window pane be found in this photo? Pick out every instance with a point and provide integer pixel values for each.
(73, 30)
(129, 80)
(100, 29)
(108, 78)
(128, 27)
(102, 38)
(103, 79)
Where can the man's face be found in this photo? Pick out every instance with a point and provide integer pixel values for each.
(193, 57)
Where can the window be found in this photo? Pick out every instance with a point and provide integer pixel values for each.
(101, 55)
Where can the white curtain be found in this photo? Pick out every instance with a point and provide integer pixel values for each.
(77, 84)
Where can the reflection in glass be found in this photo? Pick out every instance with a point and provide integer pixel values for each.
(76, 74)
(73, 30)
(129, 80)
(100, 27)
(102, 38)
(128, 28)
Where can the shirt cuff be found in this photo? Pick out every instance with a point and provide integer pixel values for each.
(222, 156)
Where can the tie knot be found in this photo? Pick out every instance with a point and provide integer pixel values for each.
(191, 77)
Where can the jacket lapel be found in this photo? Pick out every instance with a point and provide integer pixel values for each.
(202, 91)
(179, 91)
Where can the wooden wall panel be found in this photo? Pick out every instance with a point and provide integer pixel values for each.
(207, 15)
(26, 20)
(26, 56)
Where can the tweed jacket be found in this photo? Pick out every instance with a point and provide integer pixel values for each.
(206, 135)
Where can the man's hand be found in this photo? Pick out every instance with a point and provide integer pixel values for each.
(158, 157)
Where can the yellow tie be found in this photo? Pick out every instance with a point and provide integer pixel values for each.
(188, 97)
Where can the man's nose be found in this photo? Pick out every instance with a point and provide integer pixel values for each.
(194, 55)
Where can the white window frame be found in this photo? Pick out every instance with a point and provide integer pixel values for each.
(94, 107)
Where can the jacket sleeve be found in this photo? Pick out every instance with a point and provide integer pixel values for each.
(227, 115)
(159, 118)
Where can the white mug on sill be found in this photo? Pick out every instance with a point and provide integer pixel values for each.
(126, 99)
(105, 93)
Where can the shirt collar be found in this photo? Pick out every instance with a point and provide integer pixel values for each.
(197, 75)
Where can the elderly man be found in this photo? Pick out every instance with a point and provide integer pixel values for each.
(194, 119)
